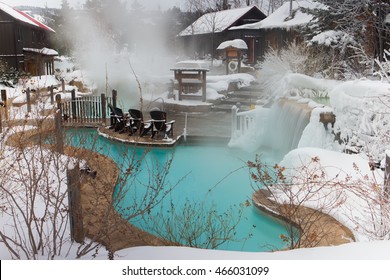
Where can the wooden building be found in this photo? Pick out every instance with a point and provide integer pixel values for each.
(281, 28)
(24, 43)
(204, 35)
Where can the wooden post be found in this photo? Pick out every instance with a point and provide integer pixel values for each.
(58, 132)
(75, 210)
(51, 89)
(58, 101)
(104, 108)
(179, 79)
(28, 98)
(327, 118)
(3, 108)
(73, 94)
(204, 86)
(387, 176)
(1, 119)
(4, 96)
(114, 97)
(239, 61)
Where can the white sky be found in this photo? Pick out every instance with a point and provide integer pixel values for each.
(148, 4)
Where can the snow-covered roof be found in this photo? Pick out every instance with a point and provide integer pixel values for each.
(23, 17)
(44, 51)
(215, 22)
(281, 17)
(237, 43)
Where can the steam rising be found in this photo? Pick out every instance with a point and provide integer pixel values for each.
(108, 52)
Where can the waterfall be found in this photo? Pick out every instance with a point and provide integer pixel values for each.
(278, 128)
(286, 122)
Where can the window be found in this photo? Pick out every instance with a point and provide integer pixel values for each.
(19, 33)
(34, 36)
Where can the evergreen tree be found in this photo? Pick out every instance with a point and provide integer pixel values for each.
(362, 20)
(60, 25)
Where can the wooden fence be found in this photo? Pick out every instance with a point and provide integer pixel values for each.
(87, 109)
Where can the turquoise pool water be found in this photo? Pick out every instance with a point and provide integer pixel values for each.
(207, 179)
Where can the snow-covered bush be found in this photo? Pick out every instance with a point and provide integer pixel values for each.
(362, 116)
(9, 76)
(296, 58)
(384, 66)
(348, 190)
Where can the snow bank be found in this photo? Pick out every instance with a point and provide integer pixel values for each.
(377, 250)
(38, 82)
(214, 85)
(222, 82)
(362, 115)
(351, 184)
(34, 180)
(250, 139)
(316, 134)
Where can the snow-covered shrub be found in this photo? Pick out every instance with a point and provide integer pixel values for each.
(296, 58)
(9, 76)
(362, 110)
(348, 190)
(384, 66)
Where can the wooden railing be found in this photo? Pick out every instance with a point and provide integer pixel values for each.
(242, 122)
(86, 110)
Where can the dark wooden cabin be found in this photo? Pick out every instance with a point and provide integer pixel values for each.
(24, 43)
(279, 29)
(204, 35)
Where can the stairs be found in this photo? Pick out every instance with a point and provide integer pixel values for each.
(245, 96)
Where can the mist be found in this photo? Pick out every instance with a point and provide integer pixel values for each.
(123, 50)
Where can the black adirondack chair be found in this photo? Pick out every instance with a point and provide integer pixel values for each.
(160, 124)
(116, 118)
(137, 123)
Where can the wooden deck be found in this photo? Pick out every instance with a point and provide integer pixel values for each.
(157, 141)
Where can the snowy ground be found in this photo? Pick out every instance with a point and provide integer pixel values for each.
(359, 105)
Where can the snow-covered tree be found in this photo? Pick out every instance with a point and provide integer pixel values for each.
(348, 25)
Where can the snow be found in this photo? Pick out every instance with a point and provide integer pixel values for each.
(21, 16)
(190, 65)
(236, 43)
(214, 22)
(375, 250)
(331, 37)
(350, 184)
(281, 17)
(362, 120)
(361, 115)
(37, 82)
(214, 85)
(45, 51)
(12, 222)
(314, 135)
(15, 14)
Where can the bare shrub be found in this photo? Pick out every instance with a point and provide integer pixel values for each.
(310, 194)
